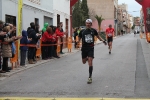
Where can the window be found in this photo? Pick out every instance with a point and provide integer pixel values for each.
(10, 19)
(58, 19)
(36, 21)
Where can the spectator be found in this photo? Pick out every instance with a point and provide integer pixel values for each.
(44, 28)
(75, 34)
(78, 30)
(7, 47)
(61, 37)
(37, 41)
(34, 36)
(45, 38)
(2, 35)
(54, 41)
(23, 49)
(59, 32)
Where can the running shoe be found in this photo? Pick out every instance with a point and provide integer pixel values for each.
(89, 81)
(109, 52)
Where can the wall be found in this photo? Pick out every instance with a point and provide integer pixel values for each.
(45, 8)
(63, 9)
(104, 8)
(9, 10)
(0, 9)
(46, 5)
(30, 11)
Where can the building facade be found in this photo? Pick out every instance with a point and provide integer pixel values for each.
(142, 21)
(137, 23)
(38, 11)
(123, 8)
(106, 8)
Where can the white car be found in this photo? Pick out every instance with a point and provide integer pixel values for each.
(82, 27)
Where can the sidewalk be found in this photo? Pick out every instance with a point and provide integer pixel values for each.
(146, 53)
(40, 62)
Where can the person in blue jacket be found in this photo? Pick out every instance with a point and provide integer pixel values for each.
(23, 49)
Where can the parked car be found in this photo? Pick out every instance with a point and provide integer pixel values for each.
(82, 27)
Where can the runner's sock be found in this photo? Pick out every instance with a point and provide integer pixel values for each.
(90, 71)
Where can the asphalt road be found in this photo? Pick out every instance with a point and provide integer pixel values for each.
(123, 74)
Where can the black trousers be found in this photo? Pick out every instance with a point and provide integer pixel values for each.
(61, 46)
(22, 57)
(44, 50)
(5, 64)
(54, 48)
(35, 54)
(50, 50)
(31, 52)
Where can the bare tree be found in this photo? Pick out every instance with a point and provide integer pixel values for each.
(92, 13)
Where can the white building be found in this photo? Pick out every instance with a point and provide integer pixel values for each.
(38, 11)
(61, 10)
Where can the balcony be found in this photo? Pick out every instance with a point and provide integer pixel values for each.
(124, 23)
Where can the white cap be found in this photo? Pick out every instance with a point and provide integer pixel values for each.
(89, 21)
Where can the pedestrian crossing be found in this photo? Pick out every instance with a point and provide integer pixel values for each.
(21, 98)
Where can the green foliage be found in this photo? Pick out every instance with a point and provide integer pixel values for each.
(85, 10)
(103, 35)
(77, 15)
(80, 13)
(99, 20)
(133, 27)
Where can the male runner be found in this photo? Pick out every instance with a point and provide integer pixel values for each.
(87, 36)
(109, 37)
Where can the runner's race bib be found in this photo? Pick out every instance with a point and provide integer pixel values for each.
(109, 35)
(88, 38)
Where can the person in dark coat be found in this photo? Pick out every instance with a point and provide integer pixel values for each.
(54, 41)
(23, 49)
(34, 36)
(75, 34)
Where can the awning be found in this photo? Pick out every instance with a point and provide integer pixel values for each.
(146, 10)
(72, 2)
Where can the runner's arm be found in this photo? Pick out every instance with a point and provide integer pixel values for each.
(114, 33)
(79, 40)
(100, 38)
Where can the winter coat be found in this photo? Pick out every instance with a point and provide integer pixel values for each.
(46, 37)
(59, 33)
(7, 48)
(33, 36)
(24, 40)
(75, 34)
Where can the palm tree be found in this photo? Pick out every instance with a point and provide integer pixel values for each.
(99, 20)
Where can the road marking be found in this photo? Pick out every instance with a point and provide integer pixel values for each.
(19, 98)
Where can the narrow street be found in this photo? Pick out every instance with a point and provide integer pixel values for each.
(123, 74)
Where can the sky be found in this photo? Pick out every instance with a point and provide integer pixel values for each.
(132, 6)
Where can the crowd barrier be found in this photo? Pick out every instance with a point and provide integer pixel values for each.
(15, 60)
(148, 37)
